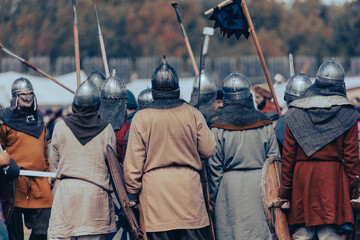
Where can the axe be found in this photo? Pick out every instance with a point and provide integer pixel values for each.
(208, 31)
(188, 47)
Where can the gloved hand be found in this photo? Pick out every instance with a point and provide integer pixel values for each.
(13, 170)
(353, 193)
(284, 192)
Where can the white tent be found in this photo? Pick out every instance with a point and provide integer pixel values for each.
(49, 93)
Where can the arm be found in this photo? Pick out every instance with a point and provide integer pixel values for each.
(205, 138)
(47, 168)
(135, 157)
(351, 154)
(272, 146)
(215, 167)
(54, 156)
(288, 158)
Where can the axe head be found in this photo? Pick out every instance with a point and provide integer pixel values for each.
(174, 4)
(208, 31)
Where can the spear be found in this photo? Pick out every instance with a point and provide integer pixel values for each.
(102, 46)
(187, 43)
(76, 43)
(33, 67)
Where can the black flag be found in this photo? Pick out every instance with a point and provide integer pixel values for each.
(231, 20)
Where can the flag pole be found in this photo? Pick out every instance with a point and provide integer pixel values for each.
(261, 56)
(76, 43)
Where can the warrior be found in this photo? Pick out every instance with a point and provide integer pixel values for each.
(113, 109)
(244, 138)
(320, 157)
(9, 170)
(295, 87)
(23, 136)
(206, 100)
(82, 204)
(263, 99)
(167, 140)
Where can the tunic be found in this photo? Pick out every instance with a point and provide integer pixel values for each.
(82, 202)
(30, 153)
(321, 183)
(162, 163)
(234, 181)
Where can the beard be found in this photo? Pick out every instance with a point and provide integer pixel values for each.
(261, 105)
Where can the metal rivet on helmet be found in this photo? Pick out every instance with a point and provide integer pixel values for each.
(87, 94)
(297, 84)
(236, 87)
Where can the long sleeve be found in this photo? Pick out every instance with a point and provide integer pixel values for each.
(288, 157)
(54, 156)
(272, 149)
(135, 158)
(205, 138)
(215, 166)
(351, 154)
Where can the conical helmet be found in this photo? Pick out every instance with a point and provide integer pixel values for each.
(145, 97)
(87, 94)
(164, 78)
(236, 87)
(113, 101)
(331, 71)
(96, 78)
(21, 85)
(205, 101)
(297, 84)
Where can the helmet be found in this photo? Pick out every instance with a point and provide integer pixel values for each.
(96, 78)
(87, 94)
(19, 86)
(113, 101)
(236, 87)
(331, 71)
(205, 101)
(165, 80)
(297, 84)
(144, 98)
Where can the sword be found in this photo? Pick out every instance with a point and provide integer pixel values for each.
(30, 173)
(291, 64)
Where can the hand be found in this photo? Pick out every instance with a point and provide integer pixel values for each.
(4, 159)
(284, 192)
(131, 204)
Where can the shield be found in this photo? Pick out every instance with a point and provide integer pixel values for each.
(118, 182)
(273, 207)
(7, 196)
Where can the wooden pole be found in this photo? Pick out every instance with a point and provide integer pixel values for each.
(27, 63)
(220, 5)
(261, 56)
(76, 43)
(187, 43)
(102, 45)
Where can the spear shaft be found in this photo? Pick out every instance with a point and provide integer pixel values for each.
(102, 45)
(27, 63)
(76, 43)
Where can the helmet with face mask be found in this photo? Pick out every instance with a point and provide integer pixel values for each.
(22, 88)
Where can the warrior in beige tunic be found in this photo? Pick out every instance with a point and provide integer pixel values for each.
(82, 202)
(162, 162)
